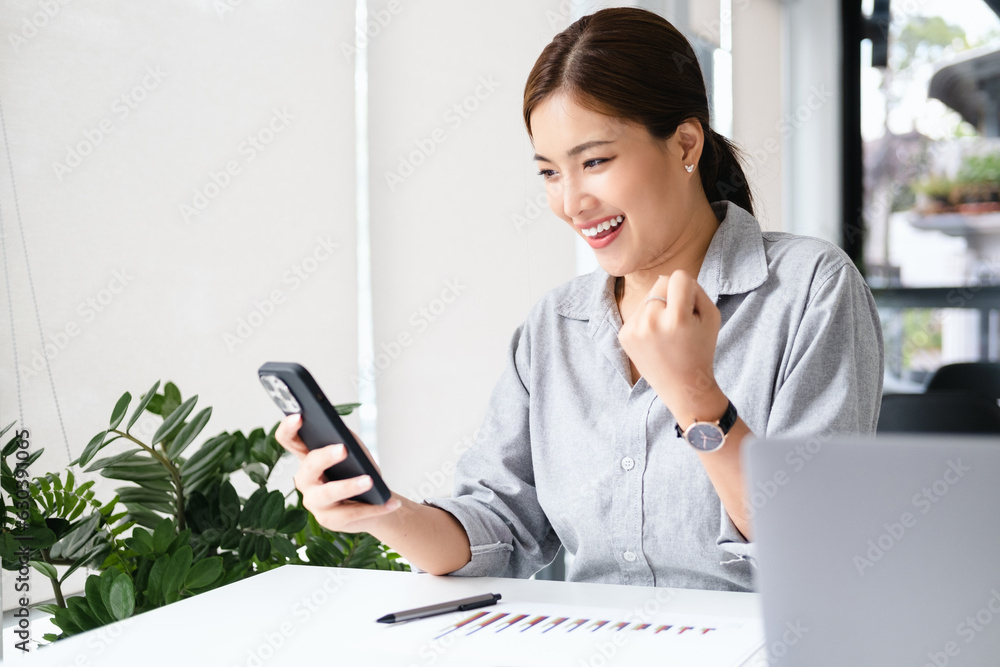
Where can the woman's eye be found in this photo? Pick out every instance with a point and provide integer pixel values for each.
(593, 163)
(546, 173)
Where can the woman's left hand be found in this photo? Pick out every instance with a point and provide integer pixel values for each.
(672, 345)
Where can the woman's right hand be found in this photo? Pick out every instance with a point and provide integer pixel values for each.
(329, 501)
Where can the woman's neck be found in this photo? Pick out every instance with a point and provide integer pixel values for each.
(687, 254)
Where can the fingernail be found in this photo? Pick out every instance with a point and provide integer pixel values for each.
(393, 504)
(364, 481)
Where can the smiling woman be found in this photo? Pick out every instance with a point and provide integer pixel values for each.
(616, 427)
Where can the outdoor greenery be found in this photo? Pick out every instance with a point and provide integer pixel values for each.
(176, 528)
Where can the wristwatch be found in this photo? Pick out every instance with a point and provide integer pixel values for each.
(709, 436)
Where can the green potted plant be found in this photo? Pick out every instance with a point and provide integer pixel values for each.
(977, 185)
(175, 528)
(934, 195)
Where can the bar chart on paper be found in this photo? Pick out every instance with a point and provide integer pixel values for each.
(539, 634)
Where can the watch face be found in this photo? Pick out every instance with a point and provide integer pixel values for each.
(705, 436)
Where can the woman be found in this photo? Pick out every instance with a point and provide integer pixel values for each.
(617, 425)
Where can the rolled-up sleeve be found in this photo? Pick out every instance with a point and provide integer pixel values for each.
(494, 497)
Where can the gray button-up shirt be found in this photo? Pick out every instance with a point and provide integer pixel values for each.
(571, 452)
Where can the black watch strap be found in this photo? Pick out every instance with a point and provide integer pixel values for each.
(725, 423)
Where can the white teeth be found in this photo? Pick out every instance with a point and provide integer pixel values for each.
(604, 226)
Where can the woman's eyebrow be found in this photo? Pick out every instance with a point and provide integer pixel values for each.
(573, 152)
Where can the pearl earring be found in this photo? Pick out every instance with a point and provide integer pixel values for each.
(689, 167)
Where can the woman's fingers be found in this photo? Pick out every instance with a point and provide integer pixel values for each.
(310, 472)
(320, 497)
(681, 295)
(287, 436)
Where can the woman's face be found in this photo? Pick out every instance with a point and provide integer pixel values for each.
(601, 172)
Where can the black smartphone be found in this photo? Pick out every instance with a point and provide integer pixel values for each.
(296, 392)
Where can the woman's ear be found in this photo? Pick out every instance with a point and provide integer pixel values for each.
(690, 140)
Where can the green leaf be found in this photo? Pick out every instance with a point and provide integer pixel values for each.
(142, 536)
(47, 569)
(345, 408)
(188, 433)
(80, 612)
(171, 398)
(118, 414)
(146, 398)
(174, 421)
(257, 472)
(163, 535)
(250, 516)
(205, 461)
(137, 494)
(137, 471)
(92, 448)
(176, 572)
(293, 521)
(204, 573)
(124, 457)
(154, 588)
(122, 597)
(285, 547)
(156, 405)
(272, 510)
(229, 504)
(246, 546)
(92, 591)
(107, 578)
(231, 539)
(262, 548)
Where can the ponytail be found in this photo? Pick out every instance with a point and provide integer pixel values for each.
(722, 174)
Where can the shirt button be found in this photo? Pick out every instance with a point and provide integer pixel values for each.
(628, 463)
(629, 556)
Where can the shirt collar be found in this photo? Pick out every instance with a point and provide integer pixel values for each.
(734, 264)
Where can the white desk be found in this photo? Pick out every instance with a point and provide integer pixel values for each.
(299, 615)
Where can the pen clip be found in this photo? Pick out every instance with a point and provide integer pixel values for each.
(477, 605)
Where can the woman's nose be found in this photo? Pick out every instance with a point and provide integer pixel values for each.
(575, 199)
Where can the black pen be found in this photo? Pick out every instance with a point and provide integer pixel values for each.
(443, 608)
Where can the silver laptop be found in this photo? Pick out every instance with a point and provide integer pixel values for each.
(878, 551)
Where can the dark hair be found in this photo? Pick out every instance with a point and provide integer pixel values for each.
(634, 65)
